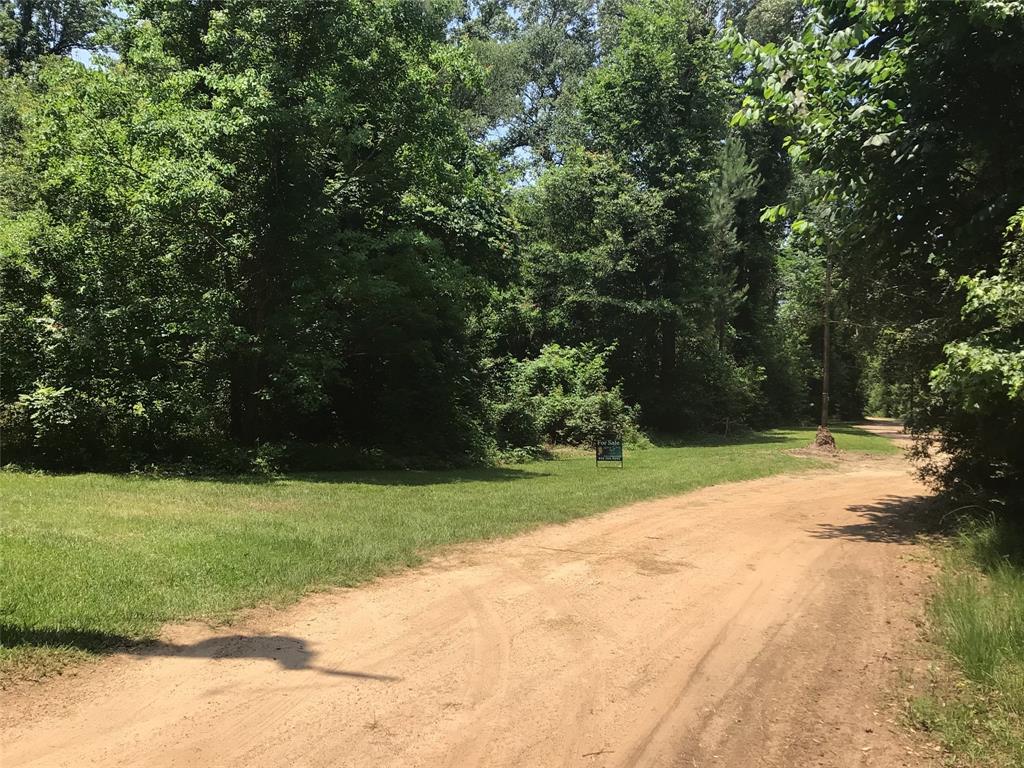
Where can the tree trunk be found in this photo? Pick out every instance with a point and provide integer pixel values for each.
(826, 351)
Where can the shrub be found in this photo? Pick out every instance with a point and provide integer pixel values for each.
(561, 396)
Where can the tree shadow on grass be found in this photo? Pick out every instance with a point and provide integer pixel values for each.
(708, 440)
(418, 477)
(393, 477)
(893, 520)
(290, 653)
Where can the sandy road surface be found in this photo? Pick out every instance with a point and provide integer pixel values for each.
(754, 624)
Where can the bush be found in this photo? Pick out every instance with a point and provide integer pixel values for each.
(516, 424)
(66, 429)
(561, 396)
(60, 427)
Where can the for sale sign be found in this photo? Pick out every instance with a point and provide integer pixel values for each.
(608, 450)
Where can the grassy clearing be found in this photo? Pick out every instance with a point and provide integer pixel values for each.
(978, 616)
(95, 561)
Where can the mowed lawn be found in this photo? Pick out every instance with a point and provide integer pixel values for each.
(95, 561)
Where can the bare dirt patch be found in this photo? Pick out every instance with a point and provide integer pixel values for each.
(755, 624)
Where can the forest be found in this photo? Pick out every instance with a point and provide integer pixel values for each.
(247, 236)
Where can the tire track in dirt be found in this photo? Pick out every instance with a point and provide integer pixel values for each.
(488, 681)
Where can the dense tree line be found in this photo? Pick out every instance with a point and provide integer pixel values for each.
(252, 223)
(906, 121)
(322, 232)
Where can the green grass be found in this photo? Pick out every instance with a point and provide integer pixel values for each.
(978, 616)
(94, 561)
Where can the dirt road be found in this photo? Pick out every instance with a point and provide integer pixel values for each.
(755, 624)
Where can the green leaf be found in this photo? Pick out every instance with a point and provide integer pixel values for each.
(878, 140)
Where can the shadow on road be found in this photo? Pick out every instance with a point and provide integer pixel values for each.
(894, 520)
(290, 653)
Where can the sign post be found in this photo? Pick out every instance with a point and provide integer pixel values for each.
(608, 450)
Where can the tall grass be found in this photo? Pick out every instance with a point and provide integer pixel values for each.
(978, 615)
(979, 610)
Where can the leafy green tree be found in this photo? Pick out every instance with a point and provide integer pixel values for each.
(760, 337)
(535, 53)
(738, 181)
(592, 253)
(657, 102)
(31, 29)
(765, 20)
(115, 312)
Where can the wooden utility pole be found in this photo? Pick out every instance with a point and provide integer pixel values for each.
(825, 351)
